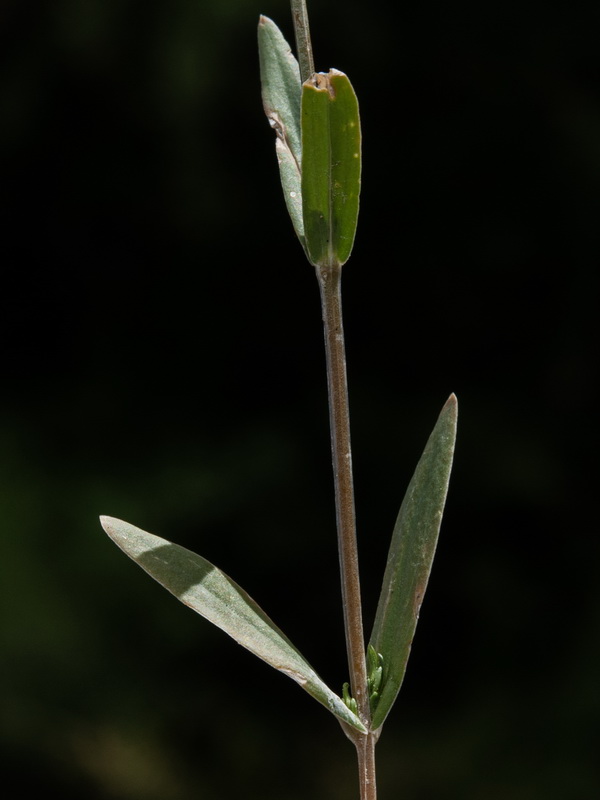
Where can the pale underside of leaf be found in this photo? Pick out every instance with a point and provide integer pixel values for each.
(289, 173)
(207, 590)
(410, 558)
(281, 95)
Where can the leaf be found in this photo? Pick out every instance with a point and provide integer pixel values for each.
(281, 96)
(331, 167)
(410, 559)
(208, 591)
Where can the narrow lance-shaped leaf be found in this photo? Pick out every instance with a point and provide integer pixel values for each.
(212, 594)
(331, 167)
(410, 559)
(281, 96)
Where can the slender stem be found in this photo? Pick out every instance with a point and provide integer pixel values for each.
(365, 748)
(329, 278)
(303, 44)
(330, 284)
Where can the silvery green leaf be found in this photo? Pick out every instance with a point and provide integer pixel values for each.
(410, 559)
(212, 594)
(281, 96)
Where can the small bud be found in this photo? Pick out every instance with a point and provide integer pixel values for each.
(374, 674)
(348, 699)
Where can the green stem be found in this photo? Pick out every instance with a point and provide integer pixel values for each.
(303, 44)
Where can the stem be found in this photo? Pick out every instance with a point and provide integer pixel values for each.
(329, 278)
(330, 284)
(365, 749)
(303, 44)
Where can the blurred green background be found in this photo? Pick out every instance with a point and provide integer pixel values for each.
(162, 362)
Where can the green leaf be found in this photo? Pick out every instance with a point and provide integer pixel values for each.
(331, 167)
(281, 96)
(211, 593)
(410, 559)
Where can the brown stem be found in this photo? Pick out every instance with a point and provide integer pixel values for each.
(365, 749)
(303, 43)
(330, 283)
(329, 278)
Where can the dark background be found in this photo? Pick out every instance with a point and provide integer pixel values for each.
(162, 362)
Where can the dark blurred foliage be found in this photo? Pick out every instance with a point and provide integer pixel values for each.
(162, 362)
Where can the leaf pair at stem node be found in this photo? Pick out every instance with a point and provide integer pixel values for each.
(318, 148)
(211, 593)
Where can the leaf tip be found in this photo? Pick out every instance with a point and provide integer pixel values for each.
(450, 408)
(105, 521)
(452, 401)
(110, 525)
